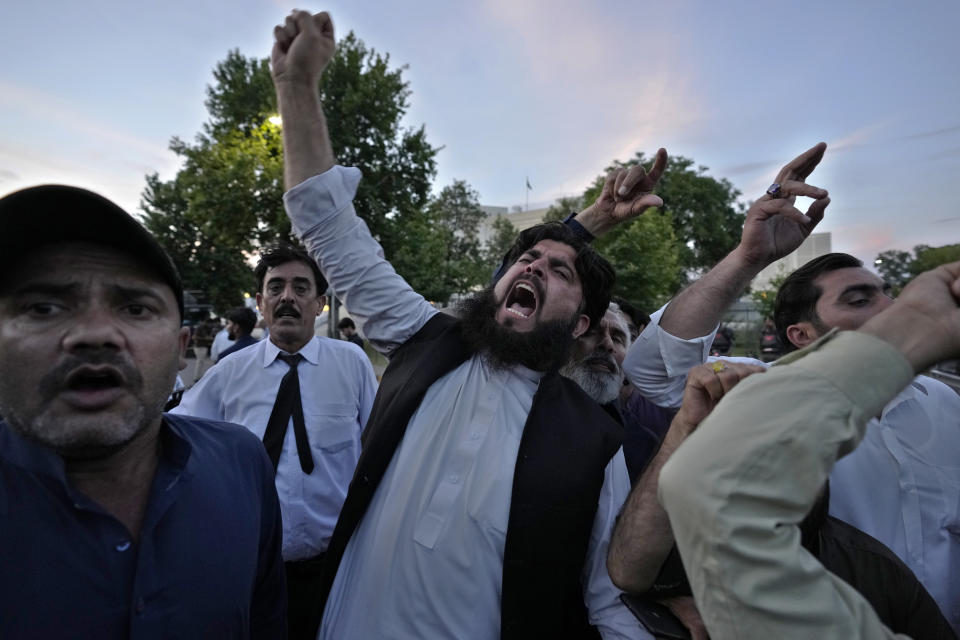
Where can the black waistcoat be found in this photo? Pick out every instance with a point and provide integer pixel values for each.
(566, 444)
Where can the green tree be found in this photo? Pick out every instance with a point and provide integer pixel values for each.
(503, 235)
(228, 194)
(455, 217)
(646, 256)
(764, 298)
(895, 268)
(706, 218)
(562, 208)
(932, 257)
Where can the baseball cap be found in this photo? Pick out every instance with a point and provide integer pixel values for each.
(52, 213)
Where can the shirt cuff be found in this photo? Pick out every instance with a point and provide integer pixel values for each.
(679, 355)
(321, 197)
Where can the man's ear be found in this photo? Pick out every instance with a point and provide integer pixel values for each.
(184, 340)
(259, 303)
(583, 323)
(323, 302)
(801, 334)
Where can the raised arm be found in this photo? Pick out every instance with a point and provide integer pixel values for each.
(642, 538)
(319, 200)
(679, 336)
(759, 460)
(302, 49)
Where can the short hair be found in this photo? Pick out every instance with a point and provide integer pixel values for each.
(798, 295)
(637, 317)
(346, 323)
(596, 274)
(621, 318)
(278, 254)
(244, 318)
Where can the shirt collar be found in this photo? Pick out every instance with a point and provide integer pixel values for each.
(310, 352)
(36, 458)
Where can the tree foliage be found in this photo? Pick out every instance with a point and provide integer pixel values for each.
(900, 267)
(765, 298)
(502, 236)
(706, 218)
(932, 257)
(656, 254)
(562, 208)
(646, 256)
(226, 200)
(455, 216)
(894, 268)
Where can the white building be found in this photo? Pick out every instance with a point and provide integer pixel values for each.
(816, 245)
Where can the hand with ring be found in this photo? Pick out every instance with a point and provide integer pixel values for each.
(706, 385)
(774, 226)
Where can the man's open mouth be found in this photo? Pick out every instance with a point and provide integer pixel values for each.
(522, 300)
(94, 379)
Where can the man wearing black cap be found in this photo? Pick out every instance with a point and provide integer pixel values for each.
(119, 521)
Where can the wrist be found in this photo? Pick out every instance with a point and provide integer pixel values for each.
(746, 262)
(595, 223)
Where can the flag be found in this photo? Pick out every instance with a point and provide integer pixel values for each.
(528, 184)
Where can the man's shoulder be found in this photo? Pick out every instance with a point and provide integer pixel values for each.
(213, 435)
(340, 349)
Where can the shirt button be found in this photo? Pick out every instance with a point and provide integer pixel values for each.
(454, 478)
(475, 435)
(141, 605)
(123, 546)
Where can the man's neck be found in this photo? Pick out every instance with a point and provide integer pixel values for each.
(120, 482)
(289, 347)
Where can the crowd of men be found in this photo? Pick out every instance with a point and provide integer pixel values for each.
(545, 462)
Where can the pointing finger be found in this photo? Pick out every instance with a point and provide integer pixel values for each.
(803, 165)
(659, 164)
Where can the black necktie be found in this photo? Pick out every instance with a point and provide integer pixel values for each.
(286, 405)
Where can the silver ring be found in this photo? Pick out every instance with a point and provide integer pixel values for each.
(774, 191)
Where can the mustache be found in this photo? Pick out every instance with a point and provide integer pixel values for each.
(55, 380)
(286, 307)
(604, 360)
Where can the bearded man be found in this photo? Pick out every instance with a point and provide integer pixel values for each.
(480, 503)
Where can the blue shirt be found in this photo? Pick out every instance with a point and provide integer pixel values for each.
(241, 343)
(207, 564)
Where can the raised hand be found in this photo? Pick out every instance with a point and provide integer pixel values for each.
(924, 322)
(626, 194)
(706, 385)
(774, 226)
(303, 46)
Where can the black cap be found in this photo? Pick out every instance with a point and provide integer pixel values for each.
(53, 213)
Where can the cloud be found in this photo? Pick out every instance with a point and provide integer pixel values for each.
(48, 108)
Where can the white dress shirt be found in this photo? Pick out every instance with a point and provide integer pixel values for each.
(901, 485)
(337, 387)
(426, 560)
(220, 342)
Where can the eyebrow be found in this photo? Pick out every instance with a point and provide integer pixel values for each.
(553, 261)
(126, 292)
(295, 280)
(863, 288)
(47, 288)
(73, 288)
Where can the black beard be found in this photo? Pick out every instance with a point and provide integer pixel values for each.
(545, 348)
